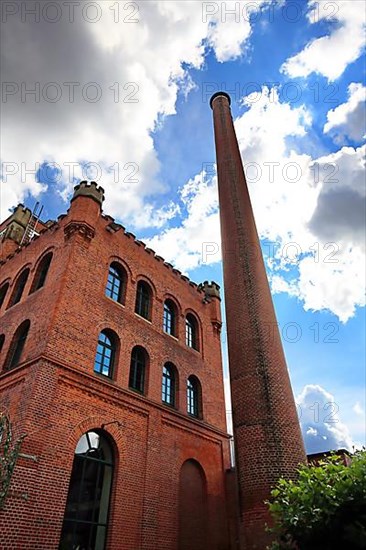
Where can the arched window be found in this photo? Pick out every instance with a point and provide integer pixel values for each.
(116, 283)
(41, 273)
(170, 318)
(139, 361)
(193, 507)
(169, 384)
(2, 340)
(106, 353)
(143, 300)
(194, 398)
(86, 514)
(17, 346)
(19, 288)
(192, 332)
(3, 291)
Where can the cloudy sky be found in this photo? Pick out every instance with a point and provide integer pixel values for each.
(118, 92)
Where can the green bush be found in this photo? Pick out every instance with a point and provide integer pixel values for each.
(324, 509)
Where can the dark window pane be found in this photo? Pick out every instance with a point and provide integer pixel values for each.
(17, 346)
(19, 288)
(3, 291)
(192, 397)
(168, 385)
(104, 357)
(114, 288)
(191, 332)
(143, 300)
(86, 513)
(168, 319)
(137, 370)
(41, 273)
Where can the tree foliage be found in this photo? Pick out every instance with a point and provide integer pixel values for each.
(325, 509)
(9, 451)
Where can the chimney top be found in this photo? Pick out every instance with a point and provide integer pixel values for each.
(90, 190)
(218, 94)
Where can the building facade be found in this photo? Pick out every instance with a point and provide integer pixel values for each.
(111, 371)
(110, 366)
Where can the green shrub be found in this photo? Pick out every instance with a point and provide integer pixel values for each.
(324, 509)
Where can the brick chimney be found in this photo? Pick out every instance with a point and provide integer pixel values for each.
(268, 441)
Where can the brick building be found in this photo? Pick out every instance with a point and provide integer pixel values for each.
(111, 365)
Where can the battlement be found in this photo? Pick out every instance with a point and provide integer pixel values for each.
(95, 192)
(20, 216)
(211, 289)
(91, 190)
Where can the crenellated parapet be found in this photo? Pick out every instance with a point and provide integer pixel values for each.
(91, 190)
(113, 227)
(211, 290)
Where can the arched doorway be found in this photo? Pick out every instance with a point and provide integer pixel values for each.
(87, 506)
(193, 512)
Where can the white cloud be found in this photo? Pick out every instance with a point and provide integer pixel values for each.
(315, 204)
(320, 422)
(148, 57)
(322, 213)
(137, 69)
(348, 119)
(303, 212)
(229, 27)
(330, 54)
(358, 409)
(199, 231)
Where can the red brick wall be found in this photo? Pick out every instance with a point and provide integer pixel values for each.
(54, 396)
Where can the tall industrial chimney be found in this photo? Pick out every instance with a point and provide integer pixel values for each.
(268, 441)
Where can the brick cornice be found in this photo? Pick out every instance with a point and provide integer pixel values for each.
(81, 228)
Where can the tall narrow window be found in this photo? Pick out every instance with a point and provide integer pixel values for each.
(19, 288)
(193, 397)
(191, 332)
(170, 318)
(3, 291)
(106, 352)
(116, 283)
(2, 340)
(139, 359)
(143, 300)
(87, 505)
(41, 273)
(17, 346)
(168, 389)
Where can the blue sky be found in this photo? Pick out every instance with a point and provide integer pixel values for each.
(296, 74)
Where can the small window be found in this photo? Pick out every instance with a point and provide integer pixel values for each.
(193, 396)
(41, 273)
(17, 346)
(106, 352)
(19, 288)
(170, 318)
(116, 283)
(143, 300)
(169, 384)
(139, 359)
(191, 332)
(3, 291)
